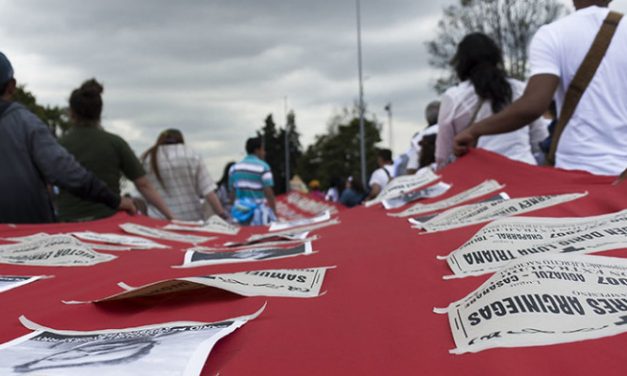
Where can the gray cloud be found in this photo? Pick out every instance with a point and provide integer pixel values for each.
(216, 68)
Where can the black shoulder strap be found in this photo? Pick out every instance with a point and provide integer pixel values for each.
(387, 173)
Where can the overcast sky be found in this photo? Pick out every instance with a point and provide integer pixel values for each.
(216, 68)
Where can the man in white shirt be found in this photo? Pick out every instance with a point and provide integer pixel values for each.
(383, 175)
(595, 139)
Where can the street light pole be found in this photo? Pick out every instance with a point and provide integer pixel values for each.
(362, 136)
(287, 148)
(388, 108)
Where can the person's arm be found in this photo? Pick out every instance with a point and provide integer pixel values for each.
(60, 168)
(214, 201)
(269, 192)
(375, 189)
(152, 196)
(446, 132)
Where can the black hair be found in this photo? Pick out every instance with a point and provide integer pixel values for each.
(480, 60)
(224, 180)
(86, 101)
(253, 144)
(5, 86)
(385, 154)
(427, 150)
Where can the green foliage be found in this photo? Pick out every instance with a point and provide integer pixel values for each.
(337, 153)
(274, 141)
(511, 23)
(54, 117)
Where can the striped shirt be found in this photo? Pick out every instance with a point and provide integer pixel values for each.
(249, 177)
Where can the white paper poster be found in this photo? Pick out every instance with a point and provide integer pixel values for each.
(429, 192)
(151, 232)
(309, 205)
(94, 246)
(487, 187)
(54, 250)
(467, 215)
(134, 242)
(504, 240)
(173, 348)
(214, 225)
(403, 184)
(21, 239)
(199, 257)
(543, 300)
(289, 234)
(9, 282)
(289, 283)
(279, 226)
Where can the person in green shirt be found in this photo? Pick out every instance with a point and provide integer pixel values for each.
(105, 154)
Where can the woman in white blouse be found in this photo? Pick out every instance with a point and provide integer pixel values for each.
(484, 90)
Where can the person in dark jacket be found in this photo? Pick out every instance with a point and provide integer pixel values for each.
(31, 158)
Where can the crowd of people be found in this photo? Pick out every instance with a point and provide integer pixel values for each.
(521, 121)
(586, 131)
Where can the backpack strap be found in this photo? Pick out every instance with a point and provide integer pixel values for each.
(387, 173)
(583, 77)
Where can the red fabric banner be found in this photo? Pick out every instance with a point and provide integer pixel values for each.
(376, 317)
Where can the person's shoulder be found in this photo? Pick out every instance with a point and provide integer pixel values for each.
(113, 138)
(18, 110)
(256, 160)
(459, 89)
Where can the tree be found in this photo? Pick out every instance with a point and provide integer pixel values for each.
(511, 23)
(54, 117)
(294, 147)
(274, 141)
(336, 154)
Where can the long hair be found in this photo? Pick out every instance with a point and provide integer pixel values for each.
(224, 180)
(86, 101)
(480, 60)
(167, 137)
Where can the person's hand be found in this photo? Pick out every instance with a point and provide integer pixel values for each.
(464, 141)
(621, 178)
(127, 205)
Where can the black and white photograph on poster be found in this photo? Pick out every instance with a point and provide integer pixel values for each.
(309, 205)
(541, 300)
(284, 237)
(152, 232)
(198, 257)
(487, 187)
(429, 192)
(281, 243)
(279, 226)
(287, 283)
(174, 348)
(507, 239)
(53, 250)
(9, 282)
(291, 234)
(134, 242)
(403, 184)
(467, 215)
(214, 225)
